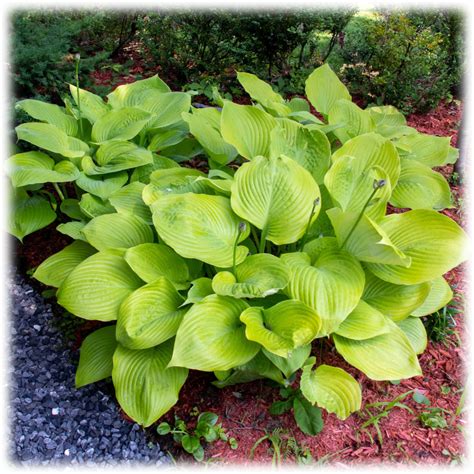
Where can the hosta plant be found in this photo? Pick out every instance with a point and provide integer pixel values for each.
(237, 270)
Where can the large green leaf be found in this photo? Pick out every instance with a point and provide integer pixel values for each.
(28, 214)
(92, 106)
(152, 261)
(371, 149)
(95, 358)
(331, 388)
(332, 285)
(324, 89)
(416, 333)
(200, 225)
(102, 185)
(434, 242)
(92, 206)
(145, 387)
(116, 156)
(73, 229)
(150, 315)
(166, 107)
(117, 231)
(351, 187)
(426, 149)
(51, 138)
(389, 356)
(256, 277)
(419, 187)
(211, 336)
(51, 114)
(247, 128)
(310, 148)
(132, 95)
(34, 167)
(276, 195)
(128, 200)
(283, 327)
(293, 362)
(395, 301)
(438, 296)
(353, 120)
(210, 138)
(97, 286)
(363, 323)
(387, 116)
(365, 239)
(56, 268)
(121, 124)
(142, 173)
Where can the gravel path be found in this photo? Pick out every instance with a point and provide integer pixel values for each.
(52, 422)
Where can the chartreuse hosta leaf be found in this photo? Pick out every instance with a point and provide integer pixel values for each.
(426, 149)
(34, 167)
(351, 187)
(92, 206)
(95, 359)
(438, 296)
(56, 268)
(132, 95)
(330, 388)
(210, 138)
(150, 315)
(73, 229)
(152, 261)
(102, 185)
(97, 286)
(51, 114)
(395, 301)
(51, 138)
(256, 277)
(172, 181)
(332, 285)
(324, 89)
(201, 287)
(353, 119)
(259, 367)
(435, 244)
(365, 239)
(122, 124)
(262, 92)
(145, 387)
(128, 200)
(283, 327)
(419, 187)
(28, 214)
(276, 195)
(290, 364)
(198, 225)
(310, 148)
(389, 356)
(117, 231)
(166, 108)
(247, 128)
(416, 333)
(387, 115)
(116, 156)
(371, 149)
(92, 106)
(211, 336)
(363, 323)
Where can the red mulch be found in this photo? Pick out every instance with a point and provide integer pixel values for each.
(243, 409)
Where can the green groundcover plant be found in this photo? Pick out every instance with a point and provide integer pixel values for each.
(237, 270)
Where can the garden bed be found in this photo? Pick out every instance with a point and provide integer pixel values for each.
(242, 409)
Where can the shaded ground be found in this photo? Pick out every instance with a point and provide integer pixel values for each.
(243, 409)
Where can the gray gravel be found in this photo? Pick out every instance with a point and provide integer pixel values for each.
(52, 422)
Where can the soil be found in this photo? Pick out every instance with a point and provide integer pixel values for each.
(244, 409)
